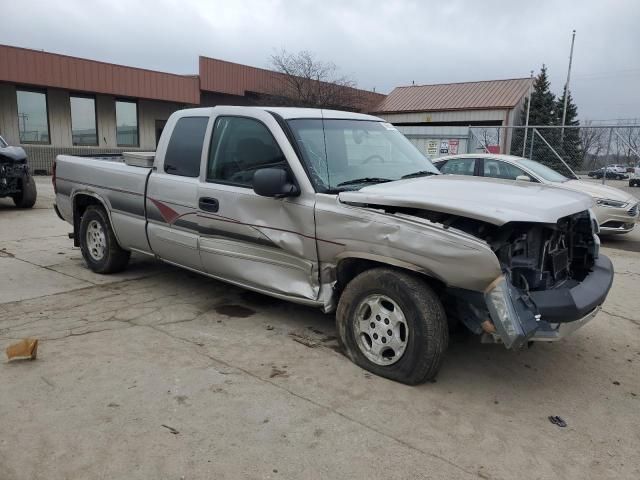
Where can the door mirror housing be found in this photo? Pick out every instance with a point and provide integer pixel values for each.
(523, 178)
(274, 182)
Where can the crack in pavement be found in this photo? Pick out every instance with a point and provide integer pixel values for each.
(632, 320)
(116, 283)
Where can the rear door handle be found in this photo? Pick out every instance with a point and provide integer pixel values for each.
(208, 204)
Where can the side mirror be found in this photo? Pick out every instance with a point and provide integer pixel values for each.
(274, 182)
(523, 178)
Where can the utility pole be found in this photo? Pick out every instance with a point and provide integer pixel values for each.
(566, 87)
(606, 161)
(526, 124)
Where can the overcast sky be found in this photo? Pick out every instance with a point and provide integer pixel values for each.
(380, 44)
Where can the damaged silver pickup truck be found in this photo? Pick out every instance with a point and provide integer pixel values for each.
(340, 211)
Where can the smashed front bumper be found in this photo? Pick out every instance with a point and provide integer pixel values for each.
(10, 175)
(546, 315)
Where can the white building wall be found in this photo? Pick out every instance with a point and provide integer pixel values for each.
(148, 112)
(421, 135)
(59, 117)
(452, 116)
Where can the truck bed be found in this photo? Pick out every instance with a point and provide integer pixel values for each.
(106, 177)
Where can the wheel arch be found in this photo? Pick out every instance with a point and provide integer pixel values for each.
(351, 265)
(80, 201)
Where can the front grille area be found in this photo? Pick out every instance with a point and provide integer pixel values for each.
(633, 211)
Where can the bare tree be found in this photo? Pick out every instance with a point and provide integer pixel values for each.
(592, 143)
(631, 140)
(488, 136)
(309, 82)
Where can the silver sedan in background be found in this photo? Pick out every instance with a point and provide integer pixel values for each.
(615, 209)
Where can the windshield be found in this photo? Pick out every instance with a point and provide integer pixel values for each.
(543, 171)
(350, 154)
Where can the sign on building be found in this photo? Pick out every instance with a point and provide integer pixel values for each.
(444, 147)
(432, 147)
(453, 146)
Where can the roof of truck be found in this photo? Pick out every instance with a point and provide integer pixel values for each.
(290, 112)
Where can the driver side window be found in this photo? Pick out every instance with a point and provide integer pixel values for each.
(239, 147)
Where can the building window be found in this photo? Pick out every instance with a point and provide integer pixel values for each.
(83, 121)
(126, 123)
(33, 119)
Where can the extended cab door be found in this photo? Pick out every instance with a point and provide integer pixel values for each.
(264, 243)
(172, 191)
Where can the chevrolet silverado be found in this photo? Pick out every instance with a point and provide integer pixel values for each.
(339, 211)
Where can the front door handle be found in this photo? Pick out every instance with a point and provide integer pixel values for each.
(208, 204)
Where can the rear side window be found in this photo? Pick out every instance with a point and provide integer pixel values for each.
(497, 169)
(185, 147)
(459, 166)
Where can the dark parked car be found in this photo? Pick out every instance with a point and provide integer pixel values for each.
(611, 173)
(15, 180)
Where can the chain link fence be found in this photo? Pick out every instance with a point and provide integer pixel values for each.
(579, 149)
(572, 149)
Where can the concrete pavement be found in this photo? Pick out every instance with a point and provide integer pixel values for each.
(161, 373)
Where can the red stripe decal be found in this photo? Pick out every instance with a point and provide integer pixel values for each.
(168, 213)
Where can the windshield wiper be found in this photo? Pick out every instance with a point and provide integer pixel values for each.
(355, 181)
(421, 173)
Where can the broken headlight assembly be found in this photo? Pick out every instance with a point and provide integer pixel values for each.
(510, 312)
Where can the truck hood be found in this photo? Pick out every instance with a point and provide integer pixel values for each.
(487, 199)
(599, 191)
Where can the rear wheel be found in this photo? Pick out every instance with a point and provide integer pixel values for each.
(28, 193)
(98, 243)
(392, 323)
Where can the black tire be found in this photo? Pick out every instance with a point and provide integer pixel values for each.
(427, 336)
(28, 193)
(113, 259)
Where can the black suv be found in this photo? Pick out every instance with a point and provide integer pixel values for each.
(15, 180)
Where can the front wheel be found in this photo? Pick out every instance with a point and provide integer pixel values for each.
(28, 193)
(98, 243)
(392, 323)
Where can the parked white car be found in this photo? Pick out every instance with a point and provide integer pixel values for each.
(615, 209)
(634, 177)
(617, 168)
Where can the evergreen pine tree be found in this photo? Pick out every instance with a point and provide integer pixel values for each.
(542, 112)
(570, 144)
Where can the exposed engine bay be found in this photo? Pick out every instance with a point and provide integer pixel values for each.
(540, 256)
(13, 167)
(534, 256)
(11, 175)
(541, 264)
